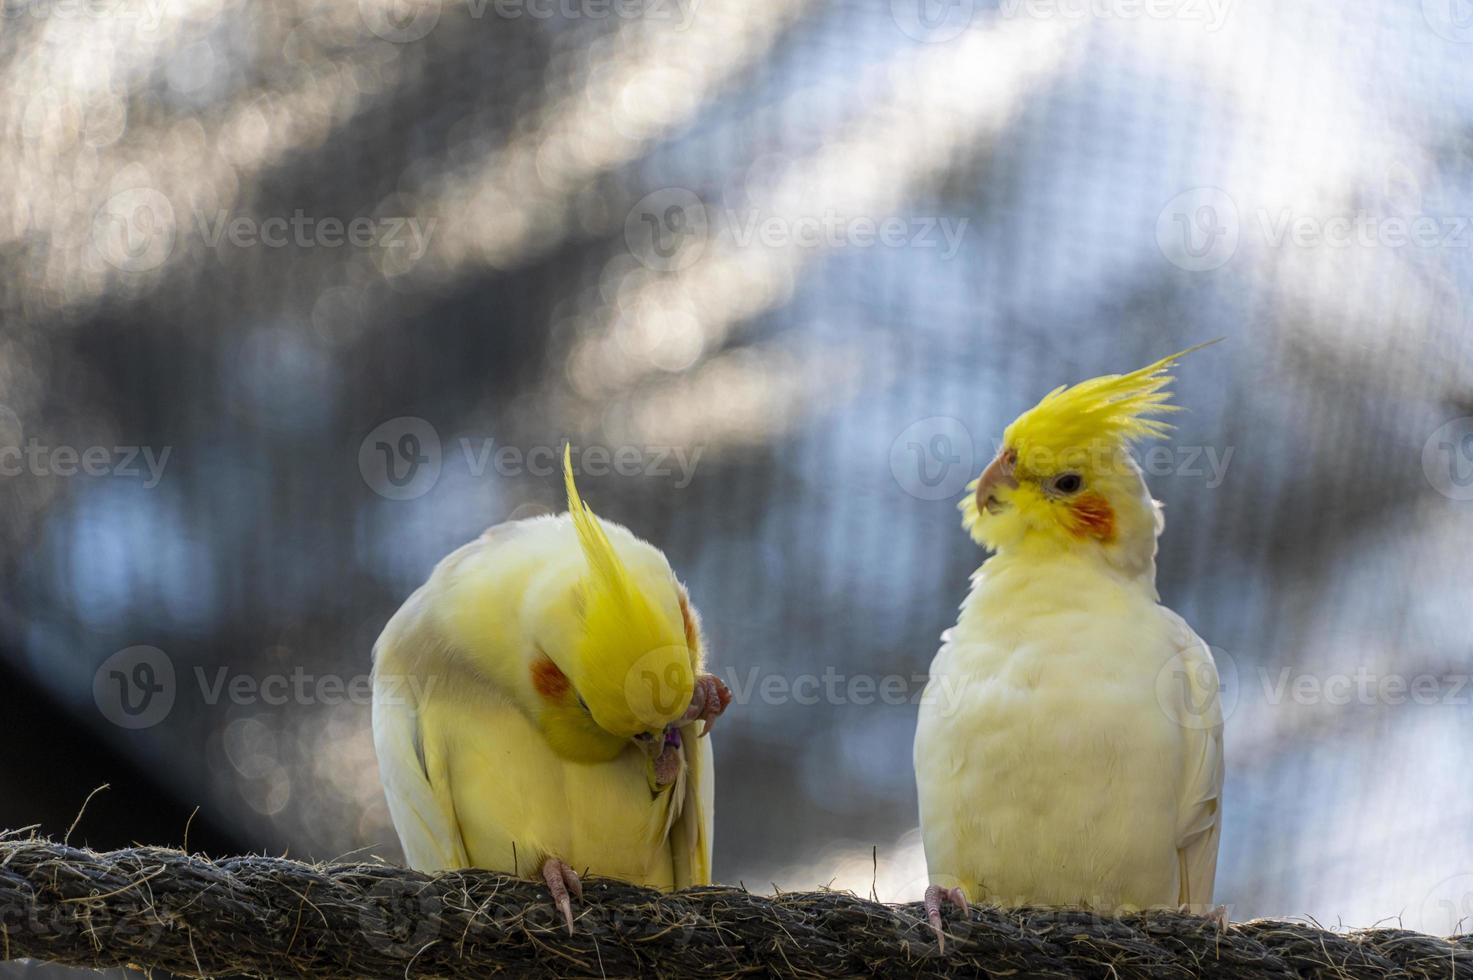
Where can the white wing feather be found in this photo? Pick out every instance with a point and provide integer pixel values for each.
(691, 836)
(1200, 812)
(413, 773)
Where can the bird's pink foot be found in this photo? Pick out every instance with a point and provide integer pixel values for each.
(708, 701)
(668, 762)
(935, 895)
(562, 882)
(1217, 915)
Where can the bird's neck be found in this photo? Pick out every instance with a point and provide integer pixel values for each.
(1039, 576)
(1131, 558)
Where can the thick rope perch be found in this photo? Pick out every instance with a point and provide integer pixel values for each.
(261, 916)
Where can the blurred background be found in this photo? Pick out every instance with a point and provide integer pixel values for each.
(298, 297)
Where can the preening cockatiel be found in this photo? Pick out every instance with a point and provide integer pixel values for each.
(1069, 745)
(539, 707)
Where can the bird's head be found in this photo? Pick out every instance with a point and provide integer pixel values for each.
(1064, 478)
(626, 666)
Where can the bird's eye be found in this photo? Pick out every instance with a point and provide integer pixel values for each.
(1068, 482)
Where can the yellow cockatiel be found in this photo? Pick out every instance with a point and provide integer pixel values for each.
(1069, 745)
(539, 708)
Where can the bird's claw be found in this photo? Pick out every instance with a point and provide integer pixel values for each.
(935, 895)
(1217, 916)
(708, 701)
(562, 881)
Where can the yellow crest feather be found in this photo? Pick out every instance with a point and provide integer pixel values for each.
(624, 635)
(608, 574)
(1113, 408)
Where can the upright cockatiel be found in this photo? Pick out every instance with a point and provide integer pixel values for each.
(1069, 746)
(539, 708)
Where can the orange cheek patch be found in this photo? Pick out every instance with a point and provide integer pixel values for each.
(1090, 516)
(550, 682)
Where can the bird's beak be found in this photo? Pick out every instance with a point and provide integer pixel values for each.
(999, 473)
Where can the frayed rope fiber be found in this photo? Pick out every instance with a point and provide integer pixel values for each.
(155, 908)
